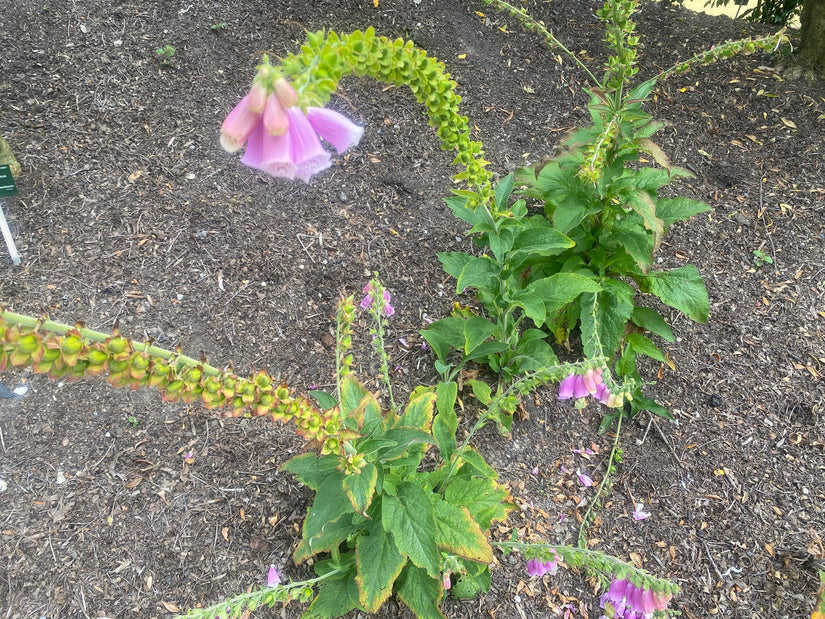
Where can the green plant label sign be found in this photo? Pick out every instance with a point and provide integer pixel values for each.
(7, 186)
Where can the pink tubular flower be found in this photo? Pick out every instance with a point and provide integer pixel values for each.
(539, 567)
(335, 128)
(306, 150)
(273, 578)
(388, 310)
(238, 126)
(566, 387)
(624, 600)
(282, 139)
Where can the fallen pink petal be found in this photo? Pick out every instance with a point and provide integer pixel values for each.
(273, 578)
(638, 514)
(585, 480)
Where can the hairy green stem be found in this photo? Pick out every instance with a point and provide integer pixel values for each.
(603, 486)
(606, 565)
(529, 23)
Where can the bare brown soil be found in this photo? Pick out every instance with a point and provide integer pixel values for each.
(129, 213)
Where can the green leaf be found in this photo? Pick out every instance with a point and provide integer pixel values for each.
(651, 320)
(437, 341)
(533, 306)
(454, 262)
(643, 345)
(640, 403)
(311, 470)
(476, 330)
(484, 499)
(419, 412)
(484, 350)
(501, 243)
(458, 205)
(360, 488)
(477, 273)
(476, 580)
(671, 210)
(654, 150)
(404, 438)
(503, 191)
(420, 592)
(562, 288)
(352, 392)
(325, 400)
(337, 595)
(641, 91)
(457, 533)
(409, 517)
(321, 530)
(682, 289)
(481, 391)
(603, 317)
(531, 356)
(636, 242)
(445, 423)
(541, 240)
(379, 563)
(641, 202)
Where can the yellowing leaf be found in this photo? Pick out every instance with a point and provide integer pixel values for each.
(462, 56)
(788, 123)
(375, 3)
(171, 607)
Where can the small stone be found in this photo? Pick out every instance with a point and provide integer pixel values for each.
(3, 485)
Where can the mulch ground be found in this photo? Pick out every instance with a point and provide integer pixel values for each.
(130, 214)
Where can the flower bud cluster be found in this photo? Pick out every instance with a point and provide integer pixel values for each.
(728, 50)
(73, 353)
(327, 57)
(344, 319)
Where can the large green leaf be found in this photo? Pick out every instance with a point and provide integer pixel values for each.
(484, 499)
(644, 346)
(603, 318)
(478, 273)
(352, 392)
(420, 592)
(333, 535)
(533, 306)
(476, 330)
(360, 488)
(541, 240)
(457, 533)
(682, 289)
(337, 595)
(560, 289)
(642, 202)
(454, 262)
(409, 517)
(652, 321)
(503, 191)
(445, 423)
(475, 580)
(671, 210)
(379, 564)
(330, 504)
(311, 470)
(419, 412)
(404, 438)
(636, 242)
